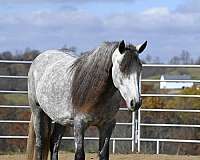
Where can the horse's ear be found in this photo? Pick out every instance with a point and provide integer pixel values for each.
(122, 46)
(140, 48)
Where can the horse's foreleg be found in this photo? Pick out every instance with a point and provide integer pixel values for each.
(105, 132)
(79, 130)
(56, 137)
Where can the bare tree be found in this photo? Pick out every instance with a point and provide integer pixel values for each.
(148, 59)
(183, 58)
(156, 60)
(186, 58)
(198, 60)
(175, 60)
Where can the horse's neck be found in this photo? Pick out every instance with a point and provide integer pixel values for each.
(110, 89)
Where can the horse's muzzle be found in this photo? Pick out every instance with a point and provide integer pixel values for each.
(138, 105)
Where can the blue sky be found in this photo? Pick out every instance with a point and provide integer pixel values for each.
(169, 26)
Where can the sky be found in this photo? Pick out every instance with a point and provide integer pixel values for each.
(169, 26)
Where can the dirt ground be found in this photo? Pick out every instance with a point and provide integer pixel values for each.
(69, 156)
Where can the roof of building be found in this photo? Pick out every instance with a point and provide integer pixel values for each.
(177, 77)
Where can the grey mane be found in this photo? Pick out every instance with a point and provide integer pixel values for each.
(91, 74)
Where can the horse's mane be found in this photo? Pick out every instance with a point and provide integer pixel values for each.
(91, 73)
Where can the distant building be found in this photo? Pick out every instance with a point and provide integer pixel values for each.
(175, 85)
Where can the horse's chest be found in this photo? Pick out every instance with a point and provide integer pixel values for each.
(103, 111)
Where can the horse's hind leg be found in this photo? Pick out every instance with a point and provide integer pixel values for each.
(42, 125)
(56, 137)
(105, 132)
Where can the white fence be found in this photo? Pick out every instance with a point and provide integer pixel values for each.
(136, 124)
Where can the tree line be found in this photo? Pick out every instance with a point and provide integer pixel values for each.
(183, 58)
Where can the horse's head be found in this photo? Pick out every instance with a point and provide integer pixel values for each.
(126, 73)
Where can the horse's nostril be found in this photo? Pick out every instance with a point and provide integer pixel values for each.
(138, 105)
(140, 101)
(131, 103)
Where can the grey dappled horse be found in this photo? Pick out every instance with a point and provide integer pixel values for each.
(81, 91)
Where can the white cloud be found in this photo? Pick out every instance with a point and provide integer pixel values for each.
(157, 11)
(156, 20)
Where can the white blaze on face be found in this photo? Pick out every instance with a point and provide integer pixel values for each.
(128, 85)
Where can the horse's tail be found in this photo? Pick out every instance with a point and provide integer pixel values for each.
(30, 141)
(30, 150)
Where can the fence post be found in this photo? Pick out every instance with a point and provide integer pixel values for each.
(113, 146)
(135, 129)
(133, 132)
(138, 135)
(157, 146)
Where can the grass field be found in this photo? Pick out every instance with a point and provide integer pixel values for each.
(69, 156)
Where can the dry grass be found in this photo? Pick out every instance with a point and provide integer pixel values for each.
(69, 156)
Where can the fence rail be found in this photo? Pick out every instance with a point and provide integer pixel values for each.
(164, 125)
(136, 124)
(167, 140)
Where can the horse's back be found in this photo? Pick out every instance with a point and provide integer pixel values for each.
(49, 84)
(44, 60)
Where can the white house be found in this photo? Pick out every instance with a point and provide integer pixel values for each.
(175, 85)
